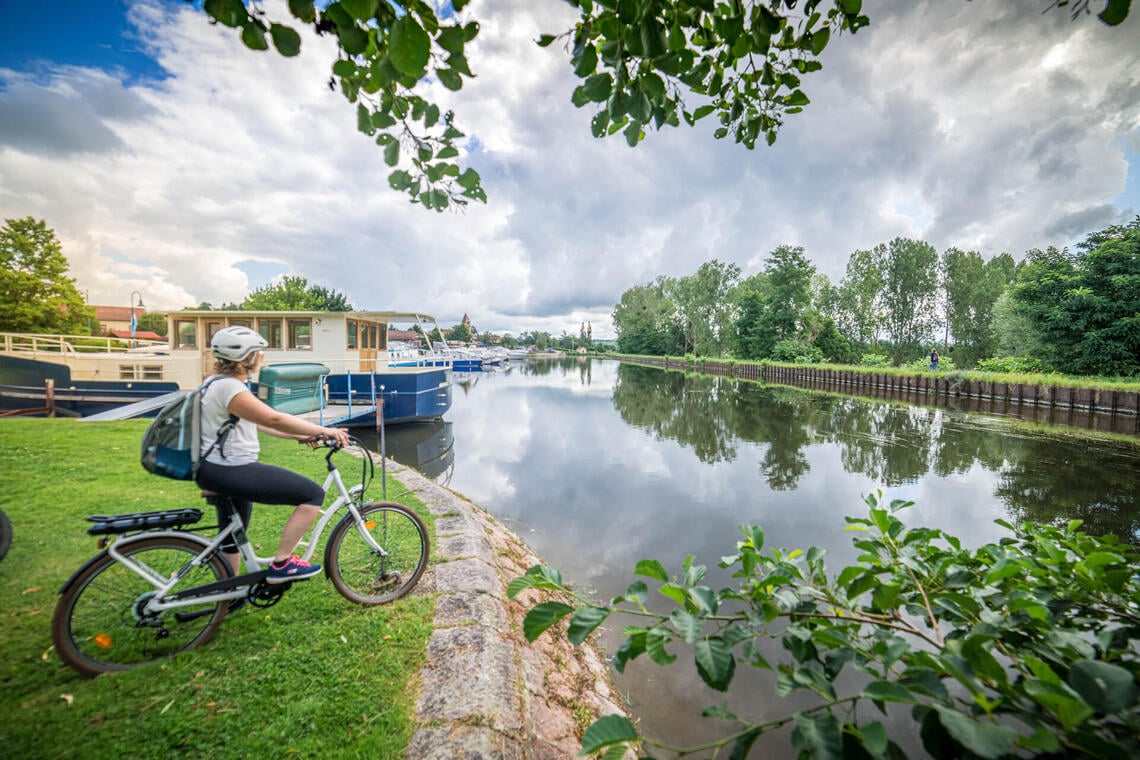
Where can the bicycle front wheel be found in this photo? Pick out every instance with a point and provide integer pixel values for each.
(367, 575)
(101, 623)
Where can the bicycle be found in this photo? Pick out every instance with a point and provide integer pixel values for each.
(157, 589)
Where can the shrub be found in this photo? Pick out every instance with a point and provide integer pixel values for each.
(875, 360)
(791, 350)
(945, 364)
(1029, 647)
(1025, 365)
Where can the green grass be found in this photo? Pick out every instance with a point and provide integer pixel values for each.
(1038, 379)
(313, 676)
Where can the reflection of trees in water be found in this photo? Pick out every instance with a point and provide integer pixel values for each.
(1042, 478)
(891, 445)
(1052, 480)
(562, 366)
(684, 408)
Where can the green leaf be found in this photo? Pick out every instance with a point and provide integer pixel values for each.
(229, 13)
(689, 626)
(651, 568)
(597, 87)
(984, 738)
(543, 616)
(392, 157)
(599, 123)
(344, 67)
(522, 582)
(254, 37)
(431, 115)
(544, 40)
(353, 39)
(715, 663)
(633, 133)
(359, 9)
(285, 39)
(588, 61)
(469, 180)
(819, 40)
(851, 7)
(451, 39)
(363, 119)
(818, 736)
(399, 180)
(1058, 699)
(607, 730)
(449, 79)
(1106, 687)
(812, 675)
(888, 691)
(303, 10)
(1115, 12)
(655, 641)
(409, 46)
(583, 623)
(797, 98)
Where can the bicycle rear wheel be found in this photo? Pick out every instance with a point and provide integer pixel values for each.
(365, 576)
(100, 624)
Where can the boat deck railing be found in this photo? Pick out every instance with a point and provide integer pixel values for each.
(33, 344)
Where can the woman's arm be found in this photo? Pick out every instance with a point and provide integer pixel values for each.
(248, 407)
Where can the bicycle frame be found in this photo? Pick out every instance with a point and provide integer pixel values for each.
(235, 587)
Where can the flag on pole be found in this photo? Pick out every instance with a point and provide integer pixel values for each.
(134, 322)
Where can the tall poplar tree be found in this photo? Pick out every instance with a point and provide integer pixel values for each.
(910, 289)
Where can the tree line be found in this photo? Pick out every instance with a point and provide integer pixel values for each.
(1075, 311)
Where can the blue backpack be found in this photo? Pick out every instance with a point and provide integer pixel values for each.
(171, 445)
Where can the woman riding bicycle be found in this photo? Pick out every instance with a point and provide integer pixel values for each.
(229, 463)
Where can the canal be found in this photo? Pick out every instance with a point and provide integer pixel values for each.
(597, 464)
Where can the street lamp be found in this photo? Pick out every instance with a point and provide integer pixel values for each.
(134, 321)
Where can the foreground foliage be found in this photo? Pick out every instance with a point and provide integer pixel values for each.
(1025, 647)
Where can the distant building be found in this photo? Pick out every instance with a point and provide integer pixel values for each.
(411, 337)
(114, 319)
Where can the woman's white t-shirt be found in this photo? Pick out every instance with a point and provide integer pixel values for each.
(242, 445)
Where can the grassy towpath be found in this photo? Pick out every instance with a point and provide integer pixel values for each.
(313, 676)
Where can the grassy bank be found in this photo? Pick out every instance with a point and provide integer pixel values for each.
(314, 676)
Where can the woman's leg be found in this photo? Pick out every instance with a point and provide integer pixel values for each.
(295, 528)
(268, 484)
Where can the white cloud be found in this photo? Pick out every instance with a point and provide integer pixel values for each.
(966, 124)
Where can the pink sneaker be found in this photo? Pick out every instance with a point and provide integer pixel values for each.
(293, 569)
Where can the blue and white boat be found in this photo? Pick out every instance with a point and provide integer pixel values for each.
(335, 365)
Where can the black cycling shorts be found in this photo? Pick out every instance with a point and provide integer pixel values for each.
(257, 482)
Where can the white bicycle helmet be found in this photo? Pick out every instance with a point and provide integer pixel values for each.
(235, 344)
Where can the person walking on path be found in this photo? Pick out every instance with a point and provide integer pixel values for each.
(934, 360)
(229, 464)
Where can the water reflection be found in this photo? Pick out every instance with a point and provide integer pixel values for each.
(1044, 476)
(428, 447)
(597, 465)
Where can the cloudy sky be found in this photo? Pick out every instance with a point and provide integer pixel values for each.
(171, 160)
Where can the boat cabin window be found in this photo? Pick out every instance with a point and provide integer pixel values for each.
(270, 329)
(300, 333)
(350, 334)
(240, 323)
(186, 333)
(211, 328)
(136, 372)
